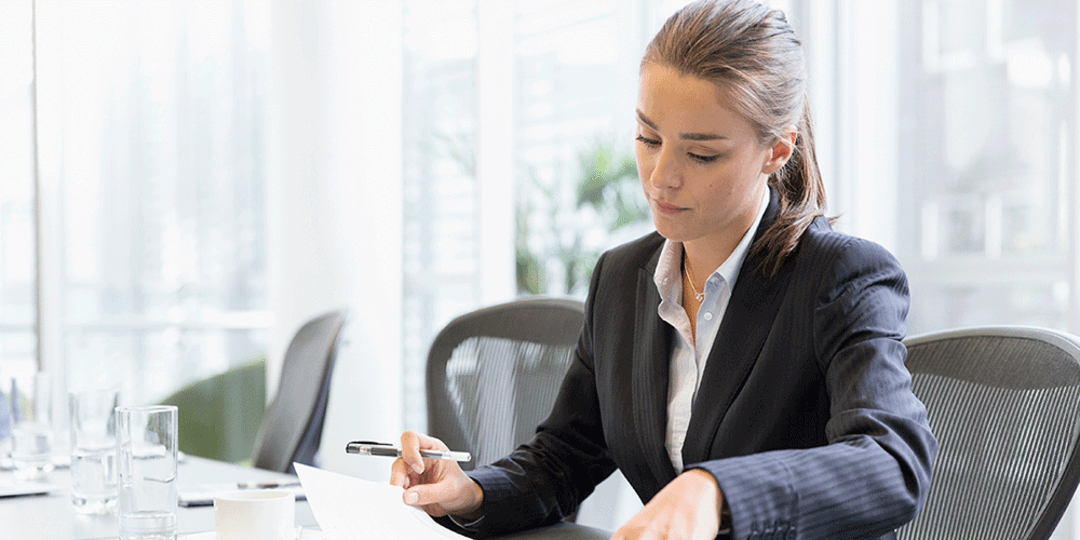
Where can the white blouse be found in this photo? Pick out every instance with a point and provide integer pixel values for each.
(689, 355)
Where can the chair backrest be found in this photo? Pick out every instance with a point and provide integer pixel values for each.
(493, 374)
(219, 416)
(1004, 403)
(292, 426)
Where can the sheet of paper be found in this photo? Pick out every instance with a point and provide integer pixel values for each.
(16, 488)
(349, 508)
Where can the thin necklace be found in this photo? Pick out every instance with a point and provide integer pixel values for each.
(687, 271)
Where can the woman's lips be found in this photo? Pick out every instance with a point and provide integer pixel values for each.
(666, 208)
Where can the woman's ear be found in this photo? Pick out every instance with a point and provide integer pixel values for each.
(781, 150)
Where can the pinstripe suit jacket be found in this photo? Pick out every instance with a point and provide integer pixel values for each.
(804, 415)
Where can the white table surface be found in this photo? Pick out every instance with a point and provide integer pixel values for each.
(52, 517)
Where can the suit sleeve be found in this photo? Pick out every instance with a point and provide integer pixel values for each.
(874, 474)
(546, 479)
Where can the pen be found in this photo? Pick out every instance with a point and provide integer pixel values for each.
(372, 448)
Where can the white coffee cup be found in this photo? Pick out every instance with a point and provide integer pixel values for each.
(263, 514)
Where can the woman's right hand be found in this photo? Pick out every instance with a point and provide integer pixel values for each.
(438, 486)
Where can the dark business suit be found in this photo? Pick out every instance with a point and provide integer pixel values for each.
(804, 414)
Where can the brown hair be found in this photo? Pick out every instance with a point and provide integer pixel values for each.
(750, 51)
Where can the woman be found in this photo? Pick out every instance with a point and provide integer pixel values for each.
(743, 365)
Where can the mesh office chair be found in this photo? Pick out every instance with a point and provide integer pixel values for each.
(493, 374)
(292, 426)
(1004, 403)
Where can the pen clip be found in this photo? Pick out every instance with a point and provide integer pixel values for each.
(371, 443)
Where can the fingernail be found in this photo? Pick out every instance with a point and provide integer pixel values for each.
(412, 497)
(418, 467)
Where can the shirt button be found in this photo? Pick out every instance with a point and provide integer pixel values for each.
(708, 316)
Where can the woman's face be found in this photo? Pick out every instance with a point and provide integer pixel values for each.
(701, 164)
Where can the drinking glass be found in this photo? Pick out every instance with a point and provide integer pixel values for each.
(146, 449)
(93, 449)
(32, 426)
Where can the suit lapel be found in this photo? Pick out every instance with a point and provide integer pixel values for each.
(652, 352)
(747, 322)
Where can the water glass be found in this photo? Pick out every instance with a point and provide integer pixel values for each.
(146, 448)
(93, 449)
(32, 426)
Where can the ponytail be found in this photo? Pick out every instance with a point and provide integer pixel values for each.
(802, 198)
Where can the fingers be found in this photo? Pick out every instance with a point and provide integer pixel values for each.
(399, 474)
(456, 494)
(410, 460)
(410, 451)
(687, 508)
(645, 529)
(638, 528)
(426, 495)
(632, 532)
(411, 444)
(437, 493)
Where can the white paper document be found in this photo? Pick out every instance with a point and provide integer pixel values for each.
(349, 508)
(17, 489)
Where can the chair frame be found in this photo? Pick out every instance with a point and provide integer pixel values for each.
(518, 320)
(265, 455)
(1059, 500)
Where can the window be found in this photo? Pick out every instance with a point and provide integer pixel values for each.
(989, 220)
(441, 233)
(568, 75)
(149, 142)
(18, 341)
(947, 134)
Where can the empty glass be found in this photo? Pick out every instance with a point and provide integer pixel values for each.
(93, 449)
(146, 449)
(32, 426)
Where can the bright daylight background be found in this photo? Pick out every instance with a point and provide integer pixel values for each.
(210, 174)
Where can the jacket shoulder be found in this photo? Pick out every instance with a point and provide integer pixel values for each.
(641, 252)
(823, 247)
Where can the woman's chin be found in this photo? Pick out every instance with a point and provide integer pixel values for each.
(669, 230)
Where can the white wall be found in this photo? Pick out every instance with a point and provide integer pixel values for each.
(334, 197)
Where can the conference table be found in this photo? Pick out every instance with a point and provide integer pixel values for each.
(51, 516)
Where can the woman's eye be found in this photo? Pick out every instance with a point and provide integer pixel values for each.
(653, 143)
(704, 159)
(647, 142)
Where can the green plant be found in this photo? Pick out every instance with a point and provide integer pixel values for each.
(607, 188)
(609, 184)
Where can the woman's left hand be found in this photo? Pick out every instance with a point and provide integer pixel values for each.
(687, 508)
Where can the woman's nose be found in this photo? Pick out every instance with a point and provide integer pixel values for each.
(665, 172)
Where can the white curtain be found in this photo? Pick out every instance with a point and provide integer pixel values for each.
(334, 199)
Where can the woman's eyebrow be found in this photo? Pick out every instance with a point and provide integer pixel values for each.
(687, 136)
